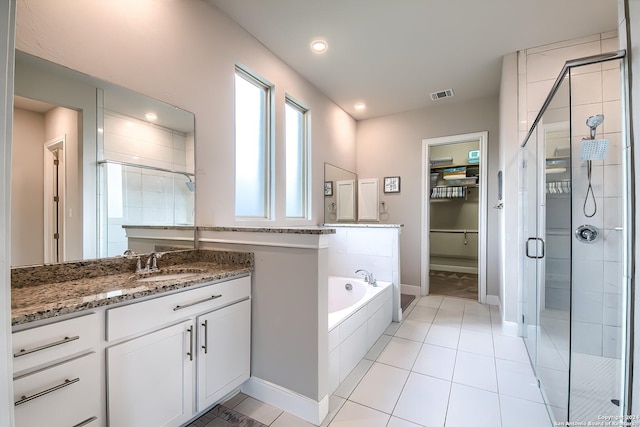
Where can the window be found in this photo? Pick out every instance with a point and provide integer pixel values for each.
(252, 146)
(296, 159)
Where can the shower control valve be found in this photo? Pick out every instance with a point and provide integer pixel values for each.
(586, 233)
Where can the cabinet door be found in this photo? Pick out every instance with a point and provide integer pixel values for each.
(346, 200)
(64, 395)
(224, 343)
(368, 209)
(150, 379)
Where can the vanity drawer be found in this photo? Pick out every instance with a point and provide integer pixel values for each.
(64, 395)
(152, 314)
(48, 343)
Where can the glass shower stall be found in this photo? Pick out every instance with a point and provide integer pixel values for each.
(574, 197)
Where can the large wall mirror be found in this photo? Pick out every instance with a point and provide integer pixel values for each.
(89, 157)
(340, 194)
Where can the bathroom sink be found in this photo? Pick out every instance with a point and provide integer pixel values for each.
(169, 274)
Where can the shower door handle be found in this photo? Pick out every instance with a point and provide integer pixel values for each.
(535, 256)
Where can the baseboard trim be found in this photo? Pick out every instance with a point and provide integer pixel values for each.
(296, 404)
(493, 300)
(410, 290)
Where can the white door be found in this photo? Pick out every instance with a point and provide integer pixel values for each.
(224, 345)
(150, 379)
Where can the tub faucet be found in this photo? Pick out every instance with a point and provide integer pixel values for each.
(368, 277)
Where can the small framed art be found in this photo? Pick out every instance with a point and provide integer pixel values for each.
(328, 188)
(392, 184)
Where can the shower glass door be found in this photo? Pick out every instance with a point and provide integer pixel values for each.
(574, 197)
(598, 291)
(546, 195)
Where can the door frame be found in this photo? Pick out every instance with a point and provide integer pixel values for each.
(55, 144)
(482, 138)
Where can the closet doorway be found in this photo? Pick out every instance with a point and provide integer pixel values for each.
(454, 216)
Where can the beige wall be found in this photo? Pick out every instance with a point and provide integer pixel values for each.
(27, 192)
(58, 122)
(191, 66)
(31, 131)
(392, 145)
(509, 219)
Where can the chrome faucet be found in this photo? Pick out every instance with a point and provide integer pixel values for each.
(368, 277)
(129, 253)
(152, 261)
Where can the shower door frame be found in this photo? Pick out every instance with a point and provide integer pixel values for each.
(628, 351)
(483, 142)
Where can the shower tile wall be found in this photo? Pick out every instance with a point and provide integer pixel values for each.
(371, 248)
(596, 270)
(140, 196)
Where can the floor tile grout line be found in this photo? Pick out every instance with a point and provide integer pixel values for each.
(495, 364)
(411, 371)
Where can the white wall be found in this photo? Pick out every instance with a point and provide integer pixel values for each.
(7, 14)
(191, 66)
(392, 146)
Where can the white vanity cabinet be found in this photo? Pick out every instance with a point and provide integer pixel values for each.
(148, 378)
(196, 350)
(57, 379)
(224, 343)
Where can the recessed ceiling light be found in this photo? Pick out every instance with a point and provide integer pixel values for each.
(151, 116)
(360, 106)
(319, 46)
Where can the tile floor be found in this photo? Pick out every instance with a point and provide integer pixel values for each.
(450, 363)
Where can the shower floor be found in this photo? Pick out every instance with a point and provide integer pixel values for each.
(595, 380)
(461, 285)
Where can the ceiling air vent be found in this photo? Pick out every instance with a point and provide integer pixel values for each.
(447, 93)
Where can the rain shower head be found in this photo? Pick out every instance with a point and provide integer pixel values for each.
(593, 122)
(592, 148)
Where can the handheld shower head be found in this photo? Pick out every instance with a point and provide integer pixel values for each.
(593, 122)
(191, 186)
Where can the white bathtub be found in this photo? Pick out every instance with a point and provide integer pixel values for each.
(357, 318)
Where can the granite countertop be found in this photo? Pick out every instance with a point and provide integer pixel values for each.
(42, 292)
(281, 230)
(364, 225)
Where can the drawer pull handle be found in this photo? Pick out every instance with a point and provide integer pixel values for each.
(85, 422)
(190, 352)
(24, 352)
(205, 337)
(66, 383)
(180, 307)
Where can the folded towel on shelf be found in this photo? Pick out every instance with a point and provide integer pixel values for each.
(448, 192)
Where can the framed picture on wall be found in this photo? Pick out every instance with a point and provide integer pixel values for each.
(328, 188)
(392, 184)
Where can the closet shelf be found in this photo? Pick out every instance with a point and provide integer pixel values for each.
(467, 165)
